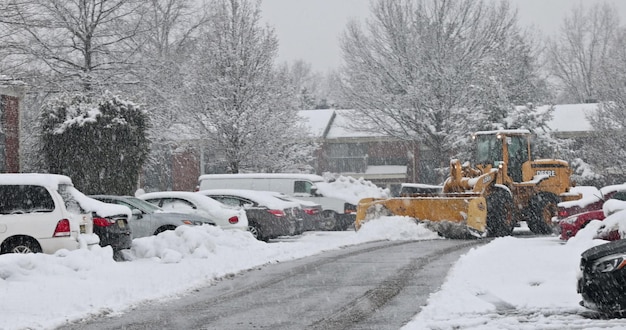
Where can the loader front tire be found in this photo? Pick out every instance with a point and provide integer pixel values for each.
(541, 210)
(500, 217)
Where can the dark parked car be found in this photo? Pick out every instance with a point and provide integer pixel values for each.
(603, 280)
(114, 231)
(268, 216)
(312, 214)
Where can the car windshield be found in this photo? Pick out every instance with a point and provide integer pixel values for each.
(143, 205)
(71, 203)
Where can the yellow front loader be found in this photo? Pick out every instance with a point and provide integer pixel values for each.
(504, 187)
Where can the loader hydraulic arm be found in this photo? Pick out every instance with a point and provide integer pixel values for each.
(464, 178)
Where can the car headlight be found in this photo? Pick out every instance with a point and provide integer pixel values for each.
(570, 220)
(609, 263)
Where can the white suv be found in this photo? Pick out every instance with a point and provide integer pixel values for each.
(43, 213)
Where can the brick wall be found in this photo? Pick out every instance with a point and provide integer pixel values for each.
(185, 170)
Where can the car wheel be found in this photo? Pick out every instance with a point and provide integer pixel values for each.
(328, 222)
(118, 255)
(164, 228)
(332, 221)
(254, 229)
(21, 245)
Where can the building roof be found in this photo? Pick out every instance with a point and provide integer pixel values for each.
(335, 123)
(572, 117)
(340, 127)
(318, 121)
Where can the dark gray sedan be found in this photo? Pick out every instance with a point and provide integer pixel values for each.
(148, 219)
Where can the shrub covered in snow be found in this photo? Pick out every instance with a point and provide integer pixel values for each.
(100, 142)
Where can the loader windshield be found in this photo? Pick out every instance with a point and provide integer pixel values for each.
(488, 149)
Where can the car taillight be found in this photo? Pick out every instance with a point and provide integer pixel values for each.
(233, 220)
(62, 229)
(102, 222)
(311, 211)
(349, 208)
(278, 213)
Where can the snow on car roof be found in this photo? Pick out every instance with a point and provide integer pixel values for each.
(101, 208)
(40, 179)
(204, 203)
(310, 177)
(590, 194)
(612, 206)
(302, 202)
(612, 188)
(191, 196)
(53, 181)
(264, 198)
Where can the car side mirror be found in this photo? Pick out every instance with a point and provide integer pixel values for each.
(137, 214)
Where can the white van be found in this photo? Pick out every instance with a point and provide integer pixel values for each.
(44, 213)
(301, 186)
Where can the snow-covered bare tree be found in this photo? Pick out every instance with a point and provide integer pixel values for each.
(306, 84)
(243, 105)
(581, 47)
(169, 28)
(72, 45)
(56, 45)
(605, 151)
(432, 71)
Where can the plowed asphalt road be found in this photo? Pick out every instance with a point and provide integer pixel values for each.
(379, 285)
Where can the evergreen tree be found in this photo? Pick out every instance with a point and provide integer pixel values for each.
(100, 142)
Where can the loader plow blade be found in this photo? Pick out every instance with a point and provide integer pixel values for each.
(451, 215)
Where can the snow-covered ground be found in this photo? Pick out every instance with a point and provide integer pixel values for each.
(510, 283)
(515, 283)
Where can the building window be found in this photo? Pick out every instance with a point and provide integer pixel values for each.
(347, 157)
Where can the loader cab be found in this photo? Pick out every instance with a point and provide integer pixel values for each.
(507, 149)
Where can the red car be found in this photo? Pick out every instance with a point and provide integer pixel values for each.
(571, 225)
(608, 231)
(591, 201)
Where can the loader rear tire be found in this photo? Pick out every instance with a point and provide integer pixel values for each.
(500, 216)
(541, 209)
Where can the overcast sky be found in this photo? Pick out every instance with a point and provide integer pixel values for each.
(310, 29)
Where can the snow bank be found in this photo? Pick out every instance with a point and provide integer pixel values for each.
(42, 291)
(350, 189)
(511, 283)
